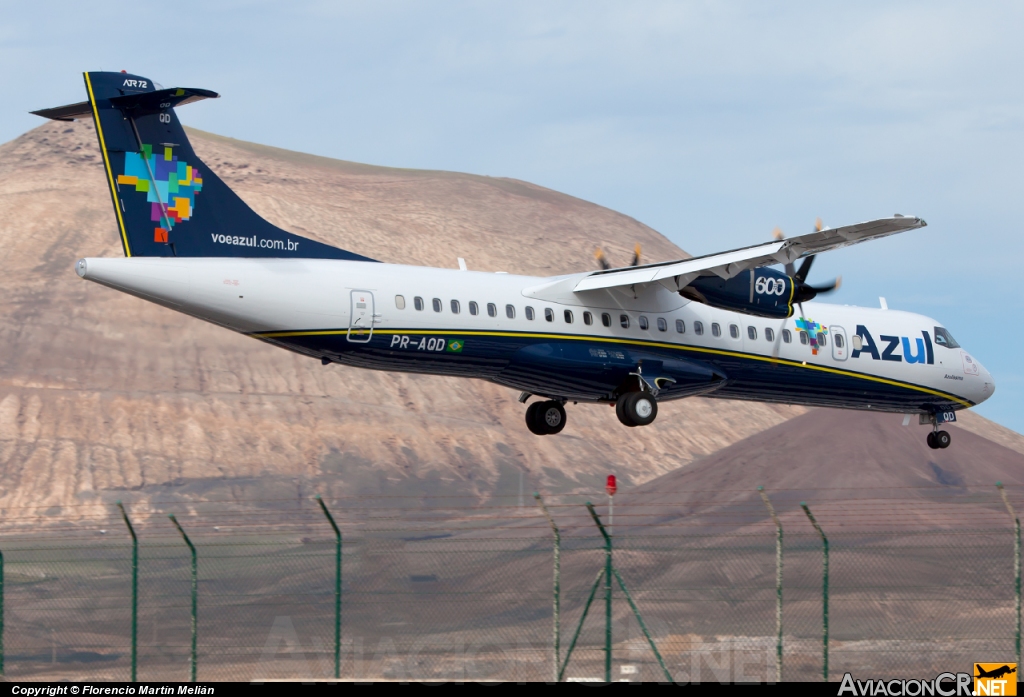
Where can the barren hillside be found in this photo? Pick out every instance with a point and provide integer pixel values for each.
(101, 392)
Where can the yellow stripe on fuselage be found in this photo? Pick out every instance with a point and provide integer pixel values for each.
(635, 342)
(106, 164)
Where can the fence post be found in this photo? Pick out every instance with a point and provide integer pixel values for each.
(135, 592)
(608, 570)
(1, 613)
(1016, 563)
(778, 584)
(824, 590)
(337, 587)
(556, 641)
(195, 591)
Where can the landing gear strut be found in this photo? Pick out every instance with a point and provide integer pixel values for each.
(939, 439)
(636, 408)
(545, 418)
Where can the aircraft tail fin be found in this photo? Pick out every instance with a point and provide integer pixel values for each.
(167, 202)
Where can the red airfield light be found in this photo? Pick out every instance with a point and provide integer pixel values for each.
(610, 486)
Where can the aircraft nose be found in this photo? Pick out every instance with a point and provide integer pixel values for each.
(988, 385)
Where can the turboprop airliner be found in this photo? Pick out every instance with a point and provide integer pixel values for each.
(725, 325)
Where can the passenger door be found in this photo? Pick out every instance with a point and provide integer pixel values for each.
(361, 317)
(840, 348)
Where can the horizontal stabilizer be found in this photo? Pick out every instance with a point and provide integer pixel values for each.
(69, 112)
(152, 102)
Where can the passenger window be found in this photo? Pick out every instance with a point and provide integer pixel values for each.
(492, 310)
(751, 332)
(839, 341)
(803, 338)
(455, 307)
(734, 331)
(787, 336)
(568, 316)
(716, 329)
(624, 321)
(474, 309)
(529, 313)
(821, 340)
(437, 304)
(417, 302)
(698, 328)
(662, 325)
(549, 314)
(858, 342)
(510, 311)
(606, 319)
(588, 318)
(400, 302)
(680, 326)
(643, 323)
(769, 334)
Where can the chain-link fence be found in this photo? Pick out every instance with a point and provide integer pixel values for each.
(470, 594)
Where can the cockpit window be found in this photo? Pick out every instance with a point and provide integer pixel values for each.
(944, 338)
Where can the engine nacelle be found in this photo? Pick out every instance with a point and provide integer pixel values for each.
(760, 292)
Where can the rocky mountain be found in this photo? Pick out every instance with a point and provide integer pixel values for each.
(102, 393)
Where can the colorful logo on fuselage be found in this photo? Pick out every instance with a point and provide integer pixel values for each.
(170, 185)
(813, 331)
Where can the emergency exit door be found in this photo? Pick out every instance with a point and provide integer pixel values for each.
(360, 319)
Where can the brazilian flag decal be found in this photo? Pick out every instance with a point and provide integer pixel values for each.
(455, 345)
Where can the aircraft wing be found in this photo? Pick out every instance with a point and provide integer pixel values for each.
(675, 275)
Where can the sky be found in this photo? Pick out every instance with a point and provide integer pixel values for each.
(712, 122)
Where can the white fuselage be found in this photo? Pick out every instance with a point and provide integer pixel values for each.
(284, 299)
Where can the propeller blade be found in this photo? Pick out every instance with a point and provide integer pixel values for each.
(601, 261)
(778, 234)
(818, 226)
(828, 288)
(636, 255)
(778, 341)
(805, 268)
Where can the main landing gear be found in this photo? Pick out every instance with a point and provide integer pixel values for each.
(939, 439)
(545, 418)
(636, 408)
(633, 409)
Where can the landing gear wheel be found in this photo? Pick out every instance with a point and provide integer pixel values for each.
(532, 421)
(930, 439)
(551, 417)
(620, 412)
(943, 439)
(545, 418)
(636, 408)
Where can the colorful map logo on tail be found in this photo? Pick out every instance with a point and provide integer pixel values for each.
(170, 185)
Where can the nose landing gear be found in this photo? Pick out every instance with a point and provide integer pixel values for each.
(545, 418)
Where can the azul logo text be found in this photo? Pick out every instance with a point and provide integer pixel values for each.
(900, 349)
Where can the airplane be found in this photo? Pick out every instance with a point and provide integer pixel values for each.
(725, 325)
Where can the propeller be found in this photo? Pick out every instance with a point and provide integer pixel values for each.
(804, 291)
(602, 260)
